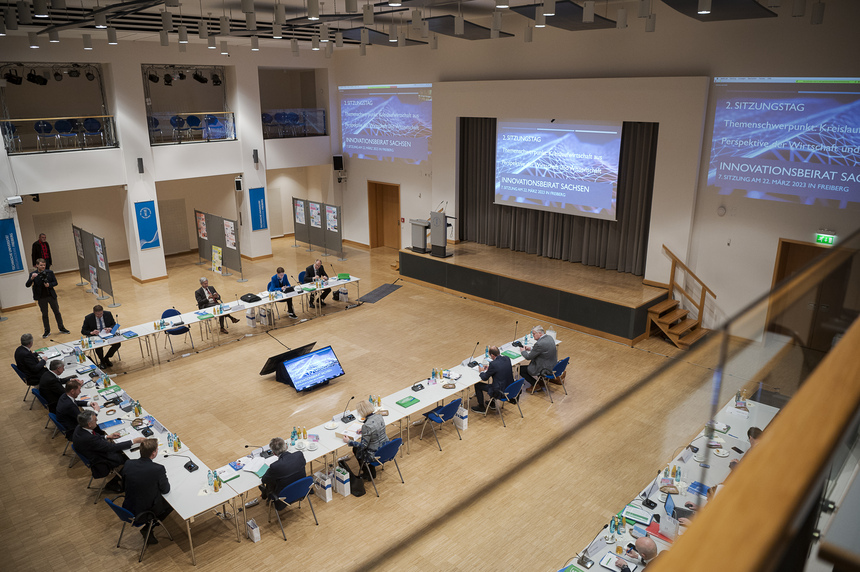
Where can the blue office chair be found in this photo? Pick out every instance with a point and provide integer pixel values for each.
(142, 519)
(42, 400)
(179, 128)
(92, 128)
(60, 428)
(557, 376)
(384, 454)
(170, 312)
(283, 123)
(194, 126)
(97, 471)
(24, 379)
(152, 123)
(268, 125)
(66, 131)
(294, 124)
(43, 129)
(214, 128)
(440, 415)
(294, 492)
(511, 393)
(10, 136)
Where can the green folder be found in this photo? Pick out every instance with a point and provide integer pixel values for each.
(511, 354)
(261, 471)
(205, 316)
(343, 276)
(407, 401)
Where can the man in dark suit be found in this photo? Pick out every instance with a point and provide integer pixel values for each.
(103, 454)
(41, 249)
(316, 270)
(51, 386)
(69, 407)
(30, 364)
(289, 468)
(94, 324)
(500, 370)
(543, 355)
(208, 297)
(43, 282)
(644, 552)
(145, 482)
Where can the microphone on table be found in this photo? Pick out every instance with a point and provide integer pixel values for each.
(517, 343)
(190, 466)
(265, 453)
(472, 362)
(347, 418)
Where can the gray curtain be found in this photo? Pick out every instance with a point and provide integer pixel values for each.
(615, 245)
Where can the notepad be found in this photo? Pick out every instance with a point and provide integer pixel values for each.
(110, 423)
(608, 561)
(407, 401)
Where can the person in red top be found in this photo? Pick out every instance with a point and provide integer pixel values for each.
(41, 249)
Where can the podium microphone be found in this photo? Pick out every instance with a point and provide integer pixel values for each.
(190, 466)
(346, 418)
(264, 453)
(517, 343)
(472, 362)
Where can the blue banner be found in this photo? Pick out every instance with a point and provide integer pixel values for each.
(11, 257)
(258, 208)
(147, 225)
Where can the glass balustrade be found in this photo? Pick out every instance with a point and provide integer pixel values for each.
(286, 123)
(49, 134)
(172, 128)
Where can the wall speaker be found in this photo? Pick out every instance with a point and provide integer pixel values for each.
(140, 165)
(256, 157)
(238, 183)
(337, 160)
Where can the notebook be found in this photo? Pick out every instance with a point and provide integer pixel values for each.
(407, 401)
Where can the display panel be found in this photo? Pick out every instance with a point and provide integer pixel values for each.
(313, 369)
(559, 166)
(272, 363)
(393, 122)
(787, 139)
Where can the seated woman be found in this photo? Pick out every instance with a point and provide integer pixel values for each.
(372, 438)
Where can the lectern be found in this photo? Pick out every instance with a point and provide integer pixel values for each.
(439, 234)
(419, 235)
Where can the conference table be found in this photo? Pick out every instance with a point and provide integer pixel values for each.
(734, 423)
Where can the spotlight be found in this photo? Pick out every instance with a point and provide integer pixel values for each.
(54, 36)
(33, 77)
(90, 75)
(181, 76)
(199, 77)
(100, 21)
(74, 72)
(13, 78)
(36, 198)
(168, 79)
(216, 79)
(153, 77)
(40, 8)
(58, 76)
(32, 40)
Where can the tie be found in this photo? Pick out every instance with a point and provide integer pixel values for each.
(100, 323)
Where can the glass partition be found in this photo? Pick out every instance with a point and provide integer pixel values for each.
(285, 123)
(168, 128)
(48, 134)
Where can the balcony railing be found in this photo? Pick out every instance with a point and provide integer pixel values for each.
(49, 134)
(285, 123)
(198, 127)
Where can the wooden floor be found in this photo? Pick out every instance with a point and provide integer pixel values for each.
(525, 497)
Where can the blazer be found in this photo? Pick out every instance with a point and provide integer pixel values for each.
(90, 322)
(202, 297)
(276, 284)
(289, 468)
(373, 437)
(67, 413)
(40, 291)
(310, 273)
(502, 374)
(51, 389)
(30, 365)
(145, 482)
(543, 355)
(98, 450)
(36, 253)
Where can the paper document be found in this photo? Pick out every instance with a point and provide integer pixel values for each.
(608, 561)
(257, 465)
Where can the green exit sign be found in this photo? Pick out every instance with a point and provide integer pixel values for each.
(825, 238)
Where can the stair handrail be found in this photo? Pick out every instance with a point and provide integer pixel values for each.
(700, 305)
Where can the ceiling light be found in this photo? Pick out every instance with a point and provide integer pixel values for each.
(277, 31)
(434, 42)
(324, 33)
(225, 26)
(362, 49)
(365, 36)
(162, 38)
(182, 47)
(247, 6)
(24, 16)
(392, 32)
(329, 48)
(88, 42)
(203, 30)
(459, 25)
(31, 39)
(352, 6)
(425, 29)
(251, 21)
(167, 21)
(100, 21)
(315, 44)
(40, 8)
(216, 79)
(416, 19)
(313, 10)
(549, 7)
(10, 20)
(183, 35)
(497, 21)
(2, 27)
(528, 35)
(540, 19)
(367, 14)
(168, 80)
(401, 39)
(280, 14)
(53, 36)
(58, 76)
(58, 4)
(212, 45)
(588, 12)
(494, 34)
(294, 47)
(33, 77)
(395, 3)
(224, 50)
(651, 23)
(704, 7)
(199, 77)
(502, 4)
(798, 8)
(13, 78)
(817, 13)
(338, 39)
(621, 18)
(111, 34)
(255, 44)
(644, 8)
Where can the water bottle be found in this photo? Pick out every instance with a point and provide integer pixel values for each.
(210, 478)
(678, 475)
(170, 440)
(487, 353)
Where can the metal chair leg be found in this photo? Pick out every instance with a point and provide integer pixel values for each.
(458, 429)
(372, 480)
(122, 530)
(308, 498)
(284, 534)
(26, 392)
(499, 409)
(398, 471)
(435, 436)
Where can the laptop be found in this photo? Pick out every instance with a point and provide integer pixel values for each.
(677, 512)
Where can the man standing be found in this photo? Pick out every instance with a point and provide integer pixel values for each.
(43, 282)
(543, 355)
(41, 249)
(500, 370)
(30, 364)
(145, 483)
(51, 386)
(96, 323)
(289, 468)
(279, 282)
(313, 271)
(68, 407)
(103, 454)
(208, 297)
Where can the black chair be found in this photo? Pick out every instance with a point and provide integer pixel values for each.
(294, 492)
(144, 518)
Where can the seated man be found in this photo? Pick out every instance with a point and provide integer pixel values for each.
(31, 365)
(68, 407)
(103, 454)
(499, 369)
(753, 434)
(279, 282)
(289, 468)
(51, 386)
(316, 270)
(208, 297)
(645, 551)
(96, 323)
(543, 356)
(145, 482)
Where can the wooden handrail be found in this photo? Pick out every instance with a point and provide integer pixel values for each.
(688, 271)
(746, 527)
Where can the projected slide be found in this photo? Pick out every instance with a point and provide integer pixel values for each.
(387, 121)
(314, 368)
(787, 139)
(569, 168)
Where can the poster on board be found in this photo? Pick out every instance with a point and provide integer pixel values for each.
(12, 261)
(94, 279)
(79, 245)
(100, 252)
(316, 218)
(230, 234)
(216, 258)
(201, 226)
(300, 212)
(331, 218)
(147, 225)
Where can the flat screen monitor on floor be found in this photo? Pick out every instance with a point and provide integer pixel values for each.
(313, 369)
(273, 362)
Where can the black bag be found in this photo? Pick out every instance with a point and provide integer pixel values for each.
(250, 298)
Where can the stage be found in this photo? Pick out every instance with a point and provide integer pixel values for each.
(610, 304)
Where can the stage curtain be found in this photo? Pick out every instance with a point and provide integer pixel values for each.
(615, 245)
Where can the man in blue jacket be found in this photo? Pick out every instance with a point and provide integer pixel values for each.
(279, 282)
(500, 370)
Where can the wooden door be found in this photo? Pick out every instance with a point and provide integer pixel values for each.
(383, 213)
